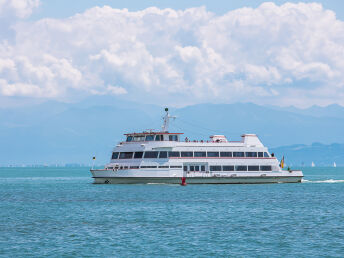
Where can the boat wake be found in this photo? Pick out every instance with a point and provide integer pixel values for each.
(328, 181)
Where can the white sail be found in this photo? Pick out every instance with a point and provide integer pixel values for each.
(313, 165)
(334, 164)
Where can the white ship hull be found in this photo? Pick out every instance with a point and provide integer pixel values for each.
(110, 177)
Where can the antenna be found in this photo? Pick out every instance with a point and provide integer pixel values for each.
(166, 121)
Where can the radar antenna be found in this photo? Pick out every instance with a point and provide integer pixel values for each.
(166, 121)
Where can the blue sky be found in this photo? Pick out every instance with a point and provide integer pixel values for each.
(273, 53)
(65, 8)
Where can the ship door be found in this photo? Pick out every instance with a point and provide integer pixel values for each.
(185, 170)
(192, 169)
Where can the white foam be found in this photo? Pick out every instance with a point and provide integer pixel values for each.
(328, 181)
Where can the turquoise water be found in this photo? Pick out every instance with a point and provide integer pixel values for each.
(59, 212)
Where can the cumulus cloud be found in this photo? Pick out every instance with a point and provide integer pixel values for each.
(109, 89)
(288, 55)
(17, 8)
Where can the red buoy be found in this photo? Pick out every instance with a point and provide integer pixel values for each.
(183, 181)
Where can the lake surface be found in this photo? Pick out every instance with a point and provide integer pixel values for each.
(59, 212)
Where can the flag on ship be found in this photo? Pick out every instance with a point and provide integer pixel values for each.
(282, 162)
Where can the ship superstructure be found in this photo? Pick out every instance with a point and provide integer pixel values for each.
(163, 157)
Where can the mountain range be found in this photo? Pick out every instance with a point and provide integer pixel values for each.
(58, 133)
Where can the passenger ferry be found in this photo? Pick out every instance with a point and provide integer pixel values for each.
(162, 157)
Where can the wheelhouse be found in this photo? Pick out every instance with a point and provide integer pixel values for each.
(152, 136)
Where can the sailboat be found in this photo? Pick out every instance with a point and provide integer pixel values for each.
(334, 164)
(313, 165)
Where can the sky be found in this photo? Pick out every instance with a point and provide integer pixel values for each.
(172, 52)
(57, 8)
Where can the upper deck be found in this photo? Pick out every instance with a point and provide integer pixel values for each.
(171, 142)
(164, 139)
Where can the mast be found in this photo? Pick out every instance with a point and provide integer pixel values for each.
(166, 121)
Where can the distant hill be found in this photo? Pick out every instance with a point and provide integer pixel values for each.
(304, 155)
(55, 132)
(333, 110)
(274, 127)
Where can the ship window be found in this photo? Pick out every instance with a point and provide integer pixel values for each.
(238, 154)
(139, 138)
(129, 138)
(163, 155)
(253, 168)
(213, 154)
(150, 138)
(228, 168)
(241, 168)
(226, 154)
(134, 167)
(175, 166)
(159, 137)
(126, 155)
(185, 168)
(251, 154)
(163, 166)
(173, 138)
(266, 155)
(260, 154)
(174, 154)
(202, 168)
(138, 155)
(151, 154)
(265, 168)
(148, 166)
(196, 168)
(114, 155)
(215, 168)
(192, 168)
(200, 154)
(186, 154)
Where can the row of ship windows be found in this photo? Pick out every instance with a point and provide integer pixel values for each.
(186, 154)
(239, 168)
(133, 167)
(211, 168)
(151, 138)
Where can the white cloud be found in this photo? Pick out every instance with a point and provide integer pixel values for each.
(109, 89)
(19, 89)
(17, 8)
(289, 55)
(115, 90)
